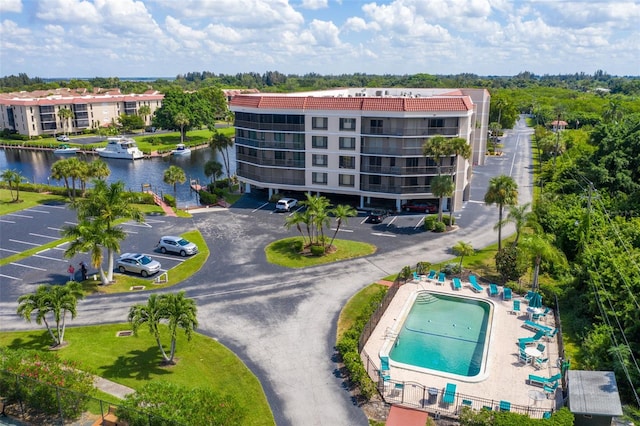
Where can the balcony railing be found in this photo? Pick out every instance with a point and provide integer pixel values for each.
(397, 189)
(272, 178)
(299, 146)
(298, 164)
(412, 132)
(253, 125)
(401, 171)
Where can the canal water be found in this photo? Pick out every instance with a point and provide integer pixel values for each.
(35, 166)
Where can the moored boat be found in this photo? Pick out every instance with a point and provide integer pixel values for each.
(65, 149)
(181, 149)
(120, 147)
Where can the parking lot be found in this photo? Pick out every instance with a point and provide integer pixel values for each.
(41, 225)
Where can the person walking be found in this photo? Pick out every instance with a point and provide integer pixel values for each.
(83, 270)
(72, 273)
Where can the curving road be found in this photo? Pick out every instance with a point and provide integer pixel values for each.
(282, 322)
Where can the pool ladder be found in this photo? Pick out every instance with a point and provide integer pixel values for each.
(390, 334)
(425, 298)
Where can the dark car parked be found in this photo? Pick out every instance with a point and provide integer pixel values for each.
(420, 207)
(377, 216)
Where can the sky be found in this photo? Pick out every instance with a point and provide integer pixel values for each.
(164, 38)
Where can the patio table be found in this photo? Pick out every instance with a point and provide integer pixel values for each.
(536, 395)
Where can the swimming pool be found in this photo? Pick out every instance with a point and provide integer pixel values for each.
(444, 335)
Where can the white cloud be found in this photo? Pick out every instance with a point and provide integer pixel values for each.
(325, 33)
(314, 4)
(67, 11)
(7, 6)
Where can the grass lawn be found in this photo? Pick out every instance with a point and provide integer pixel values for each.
(281, 253)
(134, 361)
(27, 200)
(355, 306)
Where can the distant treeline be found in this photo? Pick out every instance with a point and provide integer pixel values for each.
(274, 81)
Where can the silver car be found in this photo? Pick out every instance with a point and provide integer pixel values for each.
(176, 245)
(137, 264)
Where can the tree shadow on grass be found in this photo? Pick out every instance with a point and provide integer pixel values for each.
(138, 364)
(36, 340)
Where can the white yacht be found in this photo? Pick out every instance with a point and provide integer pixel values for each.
(181, 149)
(120, 147)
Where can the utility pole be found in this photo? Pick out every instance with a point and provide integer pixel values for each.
(555, 153)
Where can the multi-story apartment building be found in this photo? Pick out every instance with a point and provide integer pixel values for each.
(364, 143)
(37, 113)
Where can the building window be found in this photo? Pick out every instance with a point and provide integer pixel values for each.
(278, 137)
(319, 178)
(375, 161)
(376, 127)
(319, 123)
(412, 162)
(319, 160)
(348, 143)
(347, 162)
(319, 142)
(298, 138)
(347, 124)
(436, 122)
(374, 180)
(346, 180)
(279, 155)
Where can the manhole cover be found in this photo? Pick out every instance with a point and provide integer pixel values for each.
(124, 333)
(137, 287)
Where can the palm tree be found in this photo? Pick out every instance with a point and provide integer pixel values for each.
(296, 219)
(144, 111)
(520, 217)
(442, 186)
(180, 313)
(494, 130)
(13, 177)
(98, 169)
(213, 170)
(172, 176)
(539, 247)
(221, 143)
(182, 121)
(177, 310)
(91, 236)
(65, 114)
(503, 191)
(60, 170)
(462, 249)
(342, 213)
(108, 203)
(56, 301)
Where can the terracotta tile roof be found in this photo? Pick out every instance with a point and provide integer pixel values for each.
(434, 103)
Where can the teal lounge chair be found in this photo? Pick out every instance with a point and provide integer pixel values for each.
(505, 406)
(531, 340)
(506, 294)
(529, 295)
(449, 394)
(546, 415)
(516, 307)
(536, 327)
(416, 277)
(550, 389)
(441, 277)
(474, 284)
(493, 290)
(472, 279)
(432, 275)
(544, 381)
(457, 285)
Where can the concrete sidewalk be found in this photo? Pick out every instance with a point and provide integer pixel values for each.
(112, 388)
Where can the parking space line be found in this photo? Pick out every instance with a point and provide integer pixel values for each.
(37, 211)
(129, 232)
(49, 258)
(140, 224)
(44, 236)
(53, 207)
(54, 229)
(160, 256)
(10, 251)
(392, 220)
(19, 215)
(380, 234)
(255, 210)
(419, 223)
(342, 230)
(71, 223)
(10, 277)
(27, 266)
(6, 221)
(24, 242)
(147, 220)
(363, 220)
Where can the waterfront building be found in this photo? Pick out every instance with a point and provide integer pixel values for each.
(361, 143)
(36, 113)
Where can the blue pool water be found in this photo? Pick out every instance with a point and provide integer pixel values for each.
(444, 333)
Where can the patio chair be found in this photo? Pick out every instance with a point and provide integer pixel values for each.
(505, 406)
(516, 307)
(493, 290)
(550, 390)
(432, 275)
(449, 394)
(441, 277)
(538, 380)
(523, 357)
(457, 285)
(555, 377)
(529, 295)
(384, 363)
(507, 294)
(545, 312)
(541, 347)
(416, 277)
(546, 415)
(540, 362)
(552, 334)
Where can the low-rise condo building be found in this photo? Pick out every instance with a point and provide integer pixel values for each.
(364, 143)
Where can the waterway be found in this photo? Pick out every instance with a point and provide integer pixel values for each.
(35, 166)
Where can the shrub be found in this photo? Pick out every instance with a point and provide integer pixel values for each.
(430, 222)
(451, 269)
(207, 198)
(275, 197)
(169, 200)
(422, 268)
(297, 246)
(317, 250)
(439, 227)
(445, 219)
(405, 274)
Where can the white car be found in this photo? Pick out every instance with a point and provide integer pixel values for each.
(286, 204)
(176, 245)
(63, 138)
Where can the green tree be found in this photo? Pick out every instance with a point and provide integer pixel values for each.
(130, 122)
(342, 213)
(503, 191)
(144, 111)
(177, 310)
(106, 204)
(221, 143)
(213, 170)
(494, 134)
(173, 176)
(520, 217)
(13, 179)
(98, 169)
(511, 265)
(442, 186)
(462, 249)
(539, 247)
(182, 121)
(65, 115)
(53, 301)
(296, 219)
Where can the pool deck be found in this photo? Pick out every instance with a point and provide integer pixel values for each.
(506, 376)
